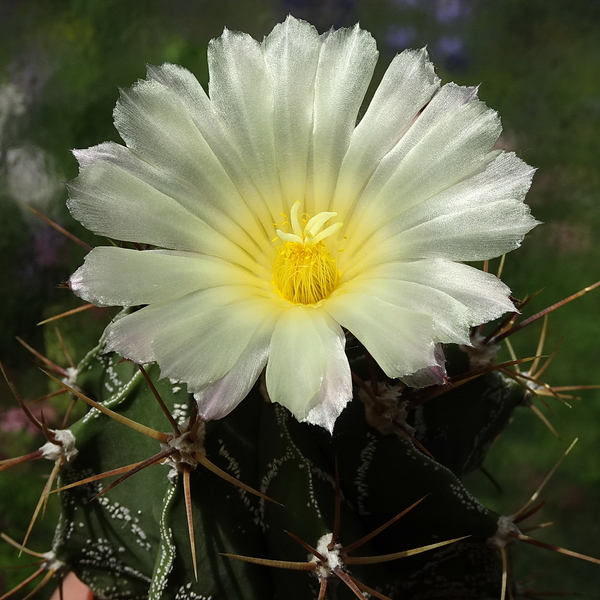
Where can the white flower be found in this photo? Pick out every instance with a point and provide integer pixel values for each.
(279, 221)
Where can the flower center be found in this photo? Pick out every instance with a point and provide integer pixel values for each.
(304, 270)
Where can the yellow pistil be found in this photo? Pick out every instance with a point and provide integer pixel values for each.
(304, 270)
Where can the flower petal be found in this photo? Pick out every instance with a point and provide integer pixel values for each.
(131, 334)
(241, 91)
(400, 340)
(291, 53)
(218, 399)
(433, 375)
(197, 338)
(478, 233)
(120, 277)
(406, 87)
(336, 387)
(345, 69)
(483, 294)
(505, 177)
(450, 317)
(132, 209)
(308, 371)
(158, 127)
(213, 342)
(449, 140)
(206, 119)
(296, 360)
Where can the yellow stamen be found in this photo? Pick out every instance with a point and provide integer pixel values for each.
(304, 270)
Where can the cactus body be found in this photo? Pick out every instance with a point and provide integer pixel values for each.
(133, 542)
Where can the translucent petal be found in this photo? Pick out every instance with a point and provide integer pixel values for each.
(197, 338)
(296, 349)
(202, 112)
(157, 125)
(297, 360)
(478, 233)
(336, 388)
(217, 400)
(448, 141)
(400, 340)
(406, 87)
(210, 342)
(505, 177)
(291, 54)
(483, 294)
(131, 335)
(345, 68)
(450, 317)
(241, 91)
(131, 209)
(120, 277)
(433, 375)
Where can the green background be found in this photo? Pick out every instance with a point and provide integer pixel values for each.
(538, 63)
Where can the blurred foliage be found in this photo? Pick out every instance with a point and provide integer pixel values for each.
(538, 63)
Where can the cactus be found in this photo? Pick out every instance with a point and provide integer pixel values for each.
(259, 487)
(260, 502)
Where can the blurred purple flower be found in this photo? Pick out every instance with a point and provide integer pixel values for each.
(48, 245)
(14, 419)
(451, 10)
(400, 38)
(406, 3)
(31, 71)
(451, 50)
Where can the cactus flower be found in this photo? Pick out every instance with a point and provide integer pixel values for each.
(268, 221)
